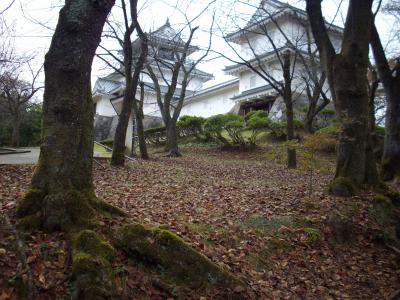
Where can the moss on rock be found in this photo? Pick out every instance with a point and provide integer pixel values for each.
(91, 267)
(343, 187)
(163, 249)
(87, 241)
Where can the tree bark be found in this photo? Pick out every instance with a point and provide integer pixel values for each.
(62, 195)
(139, 125)
(15, 136)
(288, 99)
(118, 153)
(172, 140)
(346, 72)
(390, 165)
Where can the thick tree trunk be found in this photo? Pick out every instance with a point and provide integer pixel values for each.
(353, 158)
(390, 166)
(172, 140)
(15, 136)
(62, 195)
(346, 73)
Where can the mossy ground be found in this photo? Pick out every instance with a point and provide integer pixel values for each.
(162, 249)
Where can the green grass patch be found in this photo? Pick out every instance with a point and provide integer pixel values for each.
(306, 160)
(264, 226)
(100, 151)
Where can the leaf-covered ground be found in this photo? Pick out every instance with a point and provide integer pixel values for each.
(253, 217)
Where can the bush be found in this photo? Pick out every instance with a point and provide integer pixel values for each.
(298, 124)
(323, 140)
(190, 125)
(328, 112)
(233, 124)
(278, 131)
(155, 135)
(256, 122)
(331, 131)
(107, 142)
(213, 126)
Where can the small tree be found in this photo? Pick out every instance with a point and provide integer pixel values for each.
(169, 103)
(130, 67)
(16, 97)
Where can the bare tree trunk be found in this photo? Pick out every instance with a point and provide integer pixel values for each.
(140, 127)
(390, 165)
(118, 153)
(15, 137)
(61, 194)
(287, 97)
(172, 139)
(355, 164)
(309, 119)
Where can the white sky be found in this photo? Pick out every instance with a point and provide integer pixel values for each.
(33, 20)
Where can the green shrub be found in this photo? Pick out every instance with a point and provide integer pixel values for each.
(278, 130)
(323, 140)
(190, 125)
(214, 126)
(155, 129)
(155, 135)
(107, 142)
(256, 113)
(328, 112)
(256, 122)
(234, 125)
(298, 124)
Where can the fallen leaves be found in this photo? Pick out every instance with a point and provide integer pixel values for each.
(244, 213)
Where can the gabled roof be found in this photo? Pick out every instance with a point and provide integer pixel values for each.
(263, 58)
(106, 86)
(269, 10)
(167, 34)
(255, 93)
(168, 37)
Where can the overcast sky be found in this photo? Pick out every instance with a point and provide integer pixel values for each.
(33, 22)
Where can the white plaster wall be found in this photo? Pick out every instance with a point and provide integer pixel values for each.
(128, 137)
(208, 105)
(104, 107)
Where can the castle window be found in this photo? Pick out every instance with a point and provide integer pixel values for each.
(165, 53)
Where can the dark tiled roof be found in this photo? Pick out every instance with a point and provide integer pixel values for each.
(254, 91)
(269, 9)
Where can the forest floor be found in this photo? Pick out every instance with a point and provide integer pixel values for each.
(247, 213)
